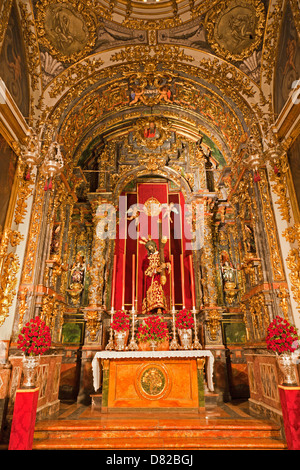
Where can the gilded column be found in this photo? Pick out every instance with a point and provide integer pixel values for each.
(102, 219)
(212, 312)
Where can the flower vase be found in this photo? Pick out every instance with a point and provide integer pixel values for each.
(153, 345)
(144, 346)
(121, 338)
(163, 345)
(287, 366)
(185, 336)
(30, 366)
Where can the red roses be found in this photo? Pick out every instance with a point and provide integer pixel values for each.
(281, 336)
(34, 338)
(184, 319)
(152, 329)
(120, 321)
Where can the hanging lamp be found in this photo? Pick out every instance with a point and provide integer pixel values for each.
(53, 164)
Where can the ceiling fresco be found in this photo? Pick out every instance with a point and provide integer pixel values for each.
(69, 31)
(98, 67)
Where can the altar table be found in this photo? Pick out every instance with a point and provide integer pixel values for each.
(153, 379)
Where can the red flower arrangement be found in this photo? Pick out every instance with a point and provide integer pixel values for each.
(184, 319)
(34, 338)
(152, 329)
(120, 321)
(281, 336)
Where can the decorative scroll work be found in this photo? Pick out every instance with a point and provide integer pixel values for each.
(36, 222)
(9, 267)
(271, 231)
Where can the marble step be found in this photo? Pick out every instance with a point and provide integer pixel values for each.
(144, 433)
(208, 443)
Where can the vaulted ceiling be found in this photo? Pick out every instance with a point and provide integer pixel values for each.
(99, 66)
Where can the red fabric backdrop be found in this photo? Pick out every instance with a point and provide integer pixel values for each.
(177, 244)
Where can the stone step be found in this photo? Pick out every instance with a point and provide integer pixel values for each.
(141, 443)
(162, 433)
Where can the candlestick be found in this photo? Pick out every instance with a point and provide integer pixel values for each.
(192, 281)
(133, 281)
(174, 344)
(172, 282)
(110, 344)
(132, 346)
(182, 281)
(113, 287)
(196, 344)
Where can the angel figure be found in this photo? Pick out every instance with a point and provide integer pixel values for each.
(168, 208)
(134, 213)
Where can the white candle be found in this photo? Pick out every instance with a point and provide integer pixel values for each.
(182, 281)
(192, 281)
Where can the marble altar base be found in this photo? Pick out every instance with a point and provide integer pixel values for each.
(152, 380)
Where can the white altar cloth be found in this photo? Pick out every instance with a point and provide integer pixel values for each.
(153, 355)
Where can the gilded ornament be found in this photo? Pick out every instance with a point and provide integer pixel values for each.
(31, 45)
(152, 54)
(283, 294)
(151, 132)
(24, 192)
(153, 381)
(153, 162)
(8, 283)
(270, 48)
(293, 264)
(213, 322)
(34, 232)
(235, 28)
(48, 311)
(22, 305)
(259, 315)
(93, 322)
(279, 186)
(271, 231)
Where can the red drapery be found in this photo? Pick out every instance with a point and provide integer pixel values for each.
(127, 244)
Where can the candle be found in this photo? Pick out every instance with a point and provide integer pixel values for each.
(172, 282)
(182, 281)
(133, 280)
(123, 292)
(113, 287)
(192, 281)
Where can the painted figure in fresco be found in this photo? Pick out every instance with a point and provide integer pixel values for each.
(291, 49)
(151, 132)
(154, 300)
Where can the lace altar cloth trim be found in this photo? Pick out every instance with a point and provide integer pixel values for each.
(152, 355)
